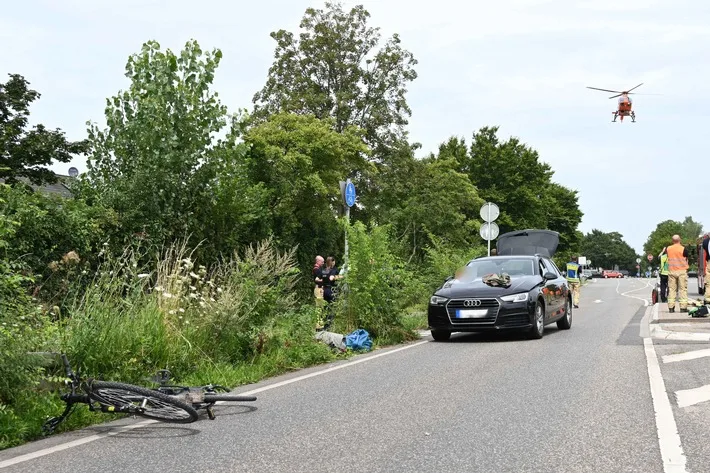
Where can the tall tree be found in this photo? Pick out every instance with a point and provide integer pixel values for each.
(607, 250)
(335, 69)
(689, 230)
(23, 152)
(512, 175)
(154, 163)
(299, 160)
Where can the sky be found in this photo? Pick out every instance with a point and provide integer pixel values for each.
(522, 65)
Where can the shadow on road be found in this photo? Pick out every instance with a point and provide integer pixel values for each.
(150, 431)
(507, 336)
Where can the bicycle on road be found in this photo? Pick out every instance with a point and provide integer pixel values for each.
(199, 397)
(112, 397)
(174, 404)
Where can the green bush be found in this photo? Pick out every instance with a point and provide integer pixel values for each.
(373, 287)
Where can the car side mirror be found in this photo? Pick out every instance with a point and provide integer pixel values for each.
(549, 276)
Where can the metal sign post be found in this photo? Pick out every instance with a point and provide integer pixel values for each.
(489, 230)
(347, 190)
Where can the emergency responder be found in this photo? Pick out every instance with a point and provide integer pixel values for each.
(677, 275)
(664, 274)
(573, 280)
(706, 243)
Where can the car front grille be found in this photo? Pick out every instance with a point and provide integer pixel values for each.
(459, 304)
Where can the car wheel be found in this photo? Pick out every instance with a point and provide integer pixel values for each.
(538, 321)
(440, 335)
(565, 323)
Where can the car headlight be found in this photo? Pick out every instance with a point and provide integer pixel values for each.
(522, 297)
(437, 300)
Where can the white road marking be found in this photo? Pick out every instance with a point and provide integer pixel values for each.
(661, 333)
(688, 355)
(626, 294)
(668, 438)
(74, 443)
(598, 301)
(689, 397)
(85, 440)
(328, 370)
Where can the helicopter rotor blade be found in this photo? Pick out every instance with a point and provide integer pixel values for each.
(605, 90)
(614, 96)
(636, 87)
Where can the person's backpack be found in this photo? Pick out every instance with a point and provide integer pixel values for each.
(358, 340)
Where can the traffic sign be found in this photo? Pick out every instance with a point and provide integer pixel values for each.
(638, 260)
(489, 231)
(650, 257)
(489, 212)
(350, 193)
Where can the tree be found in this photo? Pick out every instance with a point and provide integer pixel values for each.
(607, 250)
(511, 174)
(25, 153)
(689, 231)
(335, 70)
(156, 163)
(299, 160)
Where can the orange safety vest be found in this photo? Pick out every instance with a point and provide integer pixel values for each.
(676, 260)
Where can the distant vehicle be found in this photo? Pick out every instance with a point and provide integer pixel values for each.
(625, 102)
(587, 273)
(538, 294)
(610, 273)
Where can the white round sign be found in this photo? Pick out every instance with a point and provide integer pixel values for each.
(638, 260)
(489, 212)
(489, 231)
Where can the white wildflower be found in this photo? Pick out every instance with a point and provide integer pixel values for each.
(181, 310)
(193, 275)
(143, 275)
(171, 312)
(219, 290)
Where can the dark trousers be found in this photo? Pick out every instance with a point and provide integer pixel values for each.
(664, 288)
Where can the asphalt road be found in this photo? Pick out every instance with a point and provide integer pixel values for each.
(574, 401)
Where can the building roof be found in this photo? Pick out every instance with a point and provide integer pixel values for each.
(59, 188)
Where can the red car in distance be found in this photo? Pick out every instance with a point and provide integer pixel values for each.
(610, 273)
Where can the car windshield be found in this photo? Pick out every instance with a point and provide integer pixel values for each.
(514, 267)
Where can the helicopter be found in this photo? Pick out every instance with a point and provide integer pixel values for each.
(624, 109)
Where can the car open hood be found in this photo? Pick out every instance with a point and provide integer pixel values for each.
(528, 242)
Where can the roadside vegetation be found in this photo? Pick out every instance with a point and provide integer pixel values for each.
(181, 250)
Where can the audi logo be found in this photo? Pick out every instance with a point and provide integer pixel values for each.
(471, 302)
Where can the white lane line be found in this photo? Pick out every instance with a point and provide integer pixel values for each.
(688, 355)
(328, 370)
(689, 397)
(626, 294)
(76, 443)
(668, 438)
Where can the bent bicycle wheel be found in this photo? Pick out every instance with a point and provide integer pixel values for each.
(154, 405)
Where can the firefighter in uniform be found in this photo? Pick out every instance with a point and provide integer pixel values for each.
(706, 248)
(677, 275)
(664, 275)
(573, 280)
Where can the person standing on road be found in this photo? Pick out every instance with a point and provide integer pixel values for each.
(677, 275)
(573, 280)
(706, 243)
(664, 274)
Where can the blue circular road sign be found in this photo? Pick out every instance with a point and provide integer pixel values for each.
(350, 194)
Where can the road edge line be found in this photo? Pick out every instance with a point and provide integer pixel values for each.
(669, 442)
(72, 444)
(91, 438)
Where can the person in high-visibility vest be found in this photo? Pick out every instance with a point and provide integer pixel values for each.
(573, 279)
(677, 275)
(664, 274)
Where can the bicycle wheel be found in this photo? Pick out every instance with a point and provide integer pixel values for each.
(155, 405)
(227, 397)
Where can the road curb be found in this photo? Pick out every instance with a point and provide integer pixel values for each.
(658, 331)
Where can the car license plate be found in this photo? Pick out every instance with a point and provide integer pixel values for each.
(471, 313)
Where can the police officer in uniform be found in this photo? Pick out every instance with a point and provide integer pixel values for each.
(573, 279)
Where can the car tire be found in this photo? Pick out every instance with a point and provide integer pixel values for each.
(538, 327)
(440, 335)
(565, 323)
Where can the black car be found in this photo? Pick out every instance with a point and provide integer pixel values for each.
(538, 293)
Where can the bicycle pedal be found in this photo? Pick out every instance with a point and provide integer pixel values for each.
(210, 413)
